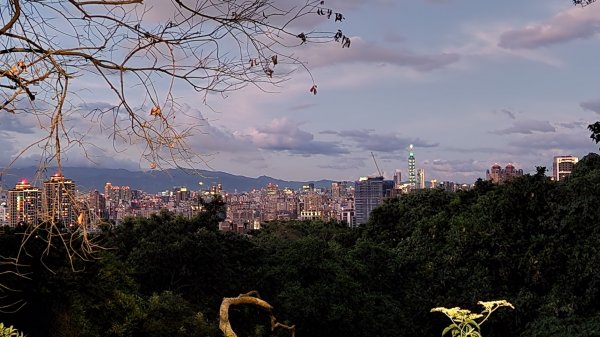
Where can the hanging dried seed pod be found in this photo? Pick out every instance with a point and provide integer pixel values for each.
(155, 111)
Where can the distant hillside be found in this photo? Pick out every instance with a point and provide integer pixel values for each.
(88, 179)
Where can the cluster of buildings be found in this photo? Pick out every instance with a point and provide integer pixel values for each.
(562, 166)
(54, 202)
(58, 201)
(350, 202)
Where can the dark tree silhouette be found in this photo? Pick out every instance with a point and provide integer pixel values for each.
(595, 129)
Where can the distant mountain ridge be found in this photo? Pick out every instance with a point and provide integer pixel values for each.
(90, 178)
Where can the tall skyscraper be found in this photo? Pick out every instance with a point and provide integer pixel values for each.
(562, 166)
(412, 177)
(421, 178)
(59, 202)
(397, 179)
(369, 192)
(24, 204)
(3, 204)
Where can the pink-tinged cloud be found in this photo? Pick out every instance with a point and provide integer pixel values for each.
(567, 143)
(575, 23)
(383, 142)
(455, 166)
(344, 163)
(361, 51)
(527, 126)
(285, 135)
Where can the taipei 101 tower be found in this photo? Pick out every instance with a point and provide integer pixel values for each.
(412, 177)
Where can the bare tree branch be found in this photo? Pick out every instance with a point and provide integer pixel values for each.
(141, 52)
(250, 298)
(57, 56)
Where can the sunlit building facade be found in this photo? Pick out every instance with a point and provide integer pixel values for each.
(369, 192)
(562, 166)
(497, 174)
(24, 204)
(59, 204)
(421, 178)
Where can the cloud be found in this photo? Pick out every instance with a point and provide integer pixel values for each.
(568, 25)
(509, 113)
(302, 106)
(7, 151)
(457, 170)
(527, 126)
(362, 51)
(213, 139)
(344, 164)
(328, 132)
(256, 162)
(593, 105)
(455, 166)
(161, 10)
(393, 37)
(573, 125)
(482, 42)
(284, 135)
(98, 157)
(18, 123)
(91, 106)
(563, 142)
(387, 142)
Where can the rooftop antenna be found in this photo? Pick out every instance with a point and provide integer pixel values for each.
(377, 166)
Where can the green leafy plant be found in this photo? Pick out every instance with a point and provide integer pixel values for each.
(9, 331)
(466, 323)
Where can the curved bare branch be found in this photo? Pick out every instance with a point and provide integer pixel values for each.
(250, 298)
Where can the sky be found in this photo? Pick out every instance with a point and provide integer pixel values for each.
(469, 83)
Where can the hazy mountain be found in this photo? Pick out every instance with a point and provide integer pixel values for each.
(88, 178)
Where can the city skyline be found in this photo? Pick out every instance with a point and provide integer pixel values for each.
(59, 202)
(468, 83)
(97, 178)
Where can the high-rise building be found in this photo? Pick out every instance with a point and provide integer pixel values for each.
(369, 192)
(24, 204)
(499, 175)
(96, 204)
(421, 178)
(339, 190)
(182, 194)
(433, 183)
(448, 186)
(412, 177)
(397, 179)
(308, 187)
(562, 166)
(216, 189)
(3, 204)
(3, 214)
(59, 204)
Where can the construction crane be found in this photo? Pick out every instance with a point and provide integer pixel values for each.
(377, 166)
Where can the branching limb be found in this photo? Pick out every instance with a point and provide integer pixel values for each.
(250, 298)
